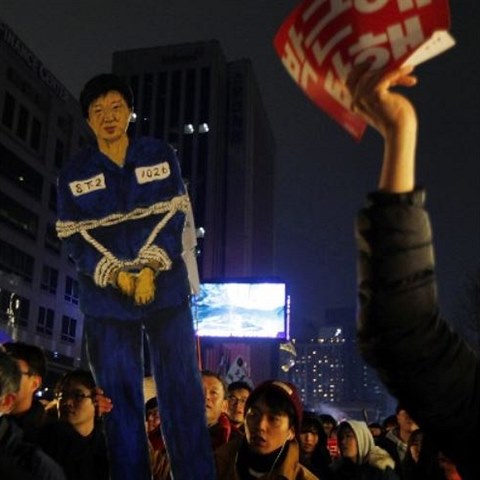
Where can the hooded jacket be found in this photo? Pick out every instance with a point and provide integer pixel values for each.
(373, 463)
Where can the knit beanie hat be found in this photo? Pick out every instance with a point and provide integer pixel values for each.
(286, 390)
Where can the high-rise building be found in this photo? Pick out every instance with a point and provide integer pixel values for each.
(249, 232)
(40, 127)
(211, 112)
(320, 369)
(331, 375)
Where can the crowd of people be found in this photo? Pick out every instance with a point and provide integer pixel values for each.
(258, 431)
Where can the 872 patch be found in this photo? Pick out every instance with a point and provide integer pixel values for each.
(82, 187)
(152, 173)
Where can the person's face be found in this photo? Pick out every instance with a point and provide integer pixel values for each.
(108, 117)
(76, 405)
(215, 403)
(153, 419)
(308, 440)
(236, 404)
(265, 430)
(29, 383)
(405, 422)
(328, 427)
(348, 444)
(376, 431)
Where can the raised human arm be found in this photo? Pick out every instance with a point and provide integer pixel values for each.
(418, 357)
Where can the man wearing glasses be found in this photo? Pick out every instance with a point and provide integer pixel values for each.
(237, 395)
(77, 441)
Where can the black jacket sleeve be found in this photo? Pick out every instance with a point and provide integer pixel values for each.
(429, 368)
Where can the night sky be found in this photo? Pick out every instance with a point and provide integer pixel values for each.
(322, 174)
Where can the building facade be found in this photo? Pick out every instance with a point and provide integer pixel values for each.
(40, 127)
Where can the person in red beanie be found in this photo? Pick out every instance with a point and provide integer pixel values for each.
(269, 450)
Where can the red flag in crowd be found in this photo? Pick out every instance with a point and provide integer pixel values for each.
(321, 40)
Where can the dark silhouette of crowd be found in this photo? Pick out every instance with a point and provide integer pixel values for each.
(255, 432)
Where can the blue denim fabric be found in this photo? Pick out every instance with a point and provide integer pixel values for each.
(115, 351)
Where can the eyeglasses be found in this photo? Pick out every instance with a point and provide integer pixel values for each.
(76, 396)
(237, 401)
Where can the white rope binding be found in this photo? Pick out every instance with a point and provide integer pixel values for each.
(147, 253)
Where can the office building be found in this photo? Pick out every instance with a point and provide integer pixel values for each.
(40, 127)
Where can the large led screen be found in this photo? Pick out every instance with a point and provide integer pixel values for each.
(240, 309)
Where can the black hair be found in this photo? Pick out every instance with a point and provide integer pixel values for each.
(151, 404)
(311, 423)
(30, 354)
(327, 418)
(390, 420)
(320, 458)
(99, 86)
(342, 427)
(377, 425)
(10, 375)
(84, 377)
(278, 404)
(238, 385)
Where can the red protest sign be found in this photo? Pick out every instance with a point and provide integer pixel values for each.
(321, 40)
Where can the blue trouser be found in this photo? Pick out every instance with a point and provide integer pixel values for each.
(115, 352)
